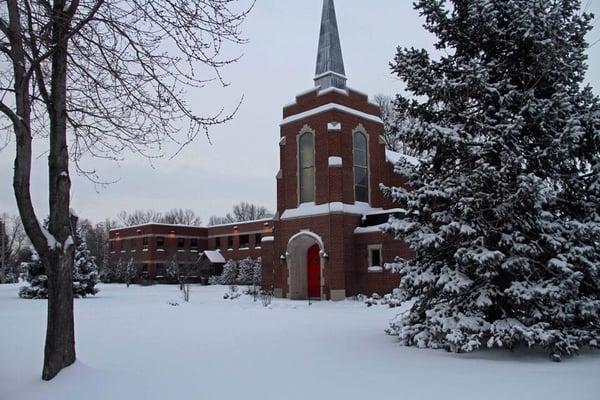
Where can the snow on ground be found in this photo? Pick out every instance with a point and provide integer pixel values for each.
(131, 344)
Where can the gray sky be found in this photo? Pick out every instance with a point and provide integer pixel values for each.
(241, 163)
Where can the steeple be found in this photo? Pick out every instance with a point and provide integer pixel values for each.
(330, 63)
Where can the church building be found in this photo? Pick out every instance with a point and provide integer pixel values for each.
(324, 241)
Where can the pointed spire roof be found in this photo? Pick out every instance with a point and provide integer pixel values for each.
(330, 63)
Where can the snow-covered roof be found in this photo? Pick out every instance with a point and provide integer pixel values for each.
(215, 256)
(157, 224)
(370, 229)
(242, 222)
(394, 157)
(311, 209)
(330, 107)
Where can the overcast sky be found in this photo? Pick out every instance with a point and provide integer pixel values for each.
(243, 159)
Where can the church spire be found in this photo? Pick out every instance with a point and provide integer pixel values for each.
(330, 63)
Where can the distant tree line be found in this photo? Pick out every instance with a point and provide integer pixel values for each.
(241, 212)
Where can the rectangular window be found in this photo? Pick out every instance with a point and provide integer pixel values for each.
(230, 242)
(375, 260)
(160, 271)
(145, 271)
(217, 243)
(180, 244)
(112, 246)
(160, 243)
(258, 240)
(244, 241)
(145, 244)
(194, 244)
(132, 245)
(121, 244)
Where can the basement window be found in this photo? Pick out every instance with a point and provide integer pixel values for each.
(375, 261)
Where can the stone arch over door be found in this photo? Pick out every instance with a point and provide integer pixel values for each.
(297, 256)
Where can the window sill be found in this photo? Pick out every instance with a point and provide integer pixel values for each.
(181, 251)
(161, 250)
(244, 248)
(376, 269)
(194, 251)
(145, 250)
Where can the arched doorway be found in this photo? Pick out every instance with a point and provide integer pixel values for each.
(313, 272)
(305, 266)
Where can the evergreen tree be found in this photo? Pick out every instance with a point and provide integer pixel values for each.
(229, 276)
(246, 272)
(85, 271)
(130, 272)
(173, 272)
(35, 274)
(503, 213)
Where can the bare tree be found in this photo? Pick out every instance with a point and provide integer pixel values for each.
(175, 216)
(112, 73)
(179, 216)
(241, 212)
(139, 217)
(397, 126)
(12, 241)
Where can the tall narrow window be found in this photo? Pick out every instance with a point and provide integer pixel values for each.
(306, 167)
(361, 168)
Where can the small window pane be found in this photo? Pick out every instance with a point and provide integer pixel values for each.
(362, 194)
(360, 176)
(375, 258)
(307, 188)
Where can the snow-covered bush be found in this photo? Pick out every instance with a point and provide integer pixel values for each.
(34, 273)
(503, 214)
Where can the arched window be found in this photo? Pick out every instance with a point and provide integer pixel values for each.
(361, 168)
(306, 167)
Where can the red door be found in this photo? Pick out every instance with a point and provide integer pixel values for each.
(313, 272)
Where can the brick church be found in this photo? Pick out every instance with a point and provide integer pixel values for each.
(324, 241)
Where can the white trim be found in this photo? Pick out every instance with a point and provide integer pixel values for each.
(335, 161)
(334, 127)
(324, 74)
(330, 107)
(333, 89)
(283, 141)
(371, 267)
(267, 239)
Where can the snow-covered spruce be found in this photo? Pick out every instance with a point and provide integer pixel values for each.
(85, 274)
(244, 272)
(85, 271)
(503, 214)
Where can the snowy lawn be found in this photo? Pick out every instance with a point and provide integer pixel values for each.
(131, 344)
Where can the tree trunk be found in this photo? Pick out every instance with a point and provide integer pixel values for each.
(60, 333)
